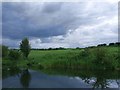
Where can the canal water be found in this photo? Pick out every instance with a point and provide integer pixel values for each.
(17, 78)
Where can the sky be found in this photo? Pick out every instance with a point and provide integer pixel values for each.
(59, 24)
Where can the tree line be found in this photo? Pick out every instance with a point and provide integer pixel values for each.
(62, 48)
(110, 44)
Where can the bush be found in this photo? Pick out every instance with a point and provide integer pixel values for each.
(14, 54)
(101, 58)
(4, 51)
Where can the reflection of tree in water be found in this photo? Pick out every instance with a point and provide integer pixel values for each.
(118, 79)
(10, 71)
(25, 78)
(87, 80)
(101, 81)
(98, 82)
(118, 83)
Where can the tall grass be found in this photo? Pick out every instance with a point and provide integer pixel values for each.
(87, 59)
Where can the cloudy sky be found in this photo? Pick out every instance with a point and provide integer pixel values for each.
(59, 24)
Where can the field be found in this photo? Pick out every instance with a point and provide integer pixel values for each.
(89, 59)
(48, 57)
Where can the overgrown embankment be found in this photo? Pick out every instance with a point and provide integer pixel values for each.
(88, 58)
(97, 58)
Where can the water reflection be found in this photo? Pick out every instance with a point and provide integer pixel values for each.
(95, 79)
(25, 78)
(100, 83)
(104, 80)
(10, 71)
(98, 79)
(118, 83)
(101, 80)
(23, 75)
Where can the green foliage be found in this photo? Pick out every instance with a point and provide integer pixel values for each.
(100, 55)
(25, 47)
(98, 58)
(4, 51)
(14, 55)
(104, 58)
(85, 52)
(88, 58)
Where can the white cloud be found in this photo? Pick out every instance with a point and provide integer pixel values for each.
(104, 32)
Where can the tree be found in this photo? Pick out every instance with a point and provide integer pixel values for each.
(117, 43)
(25, 47)
(111, 44)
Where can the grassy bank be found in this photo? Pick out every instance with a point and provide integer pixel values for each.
(89, 59)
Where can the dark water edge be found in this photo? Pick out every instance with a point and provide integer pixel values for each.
(15, 78)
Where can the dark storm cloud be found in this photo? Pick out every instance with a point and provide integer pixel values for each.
(12, 24)
(18, 22)
(51, 8)
(59, 24)
(31, 20)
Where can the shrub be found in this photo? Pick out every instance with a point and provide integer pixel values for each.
(101, 58)
(14, 54)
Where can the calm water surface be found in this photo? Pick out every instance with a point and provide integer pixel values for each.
(17, 78)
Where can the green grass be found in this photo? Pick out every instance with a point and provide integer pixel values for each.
(49, 56)
(76, 59)
(89, 58)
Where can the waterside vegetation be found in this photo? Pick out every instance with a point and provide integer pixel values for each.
(101, 57)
